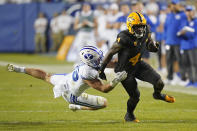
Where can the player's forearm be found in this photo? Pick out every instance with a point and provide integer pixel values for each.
(77, 25)
(106, 60)
(90, 24)
(120, 76)
(37, 73)
(107, 88)
(113, 50)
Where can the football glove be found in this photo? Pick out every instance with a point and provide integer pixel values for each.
(153, 46)
(120, 76)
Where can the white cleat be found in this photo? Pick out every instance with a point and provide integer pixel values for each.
(73, 107)
(14, 68)
(10, 67)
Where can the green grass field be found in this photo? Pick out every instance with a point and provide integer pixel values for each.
(28, 104)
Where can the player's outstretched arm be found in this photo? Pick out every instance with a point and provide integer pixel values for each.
(97, 84)
(37, 73)
(113, 50)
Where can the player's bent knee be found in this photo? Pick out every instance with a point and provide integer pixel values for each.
(84, 96)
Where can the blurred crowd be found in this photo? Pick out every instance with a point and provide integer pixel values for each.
(173, 24)
(71, 1)
(59, 27)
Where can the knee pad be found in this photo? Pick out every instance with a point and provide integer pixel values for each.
(93, 100)
(84, 96)
(158, 87)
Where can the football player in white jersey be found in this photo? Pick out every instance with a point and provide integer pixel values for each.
(71, 86)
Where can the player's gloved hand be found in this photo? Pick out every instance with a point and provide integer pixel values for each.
(153, 46)
(102, 75)
(120, 76)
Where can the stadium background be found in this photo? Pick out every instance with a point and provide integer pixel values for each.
(17, 22)
(28, 104)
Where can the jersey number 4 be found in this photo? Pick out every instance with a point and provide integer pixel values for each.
(135, 59)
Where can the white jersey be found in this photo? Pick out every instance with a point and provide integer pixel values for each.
(64, 22)
(73, 82)
(40, 25)
(54, 25)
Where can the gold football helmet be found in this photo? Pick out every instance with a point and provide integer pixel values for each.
(136, 24)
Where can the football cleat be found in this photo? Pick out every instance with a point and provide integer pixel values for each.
(164, 97)
(136, 121)
(169, 99)
(10, 67)
(129, 118)
(14, 68)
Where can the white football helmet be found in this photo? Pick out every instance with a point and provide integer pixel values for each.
(91, 56)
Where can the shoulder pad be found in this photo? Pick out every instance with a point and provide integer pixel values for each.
(89, 73)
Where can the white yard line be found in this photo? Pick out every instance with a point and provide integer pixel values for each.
(70, 121)
(66, 69)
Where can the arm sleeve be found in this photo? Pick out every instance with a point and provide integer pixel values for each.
(189, 35)
(165, 28)
(118, 20)
(181, 26)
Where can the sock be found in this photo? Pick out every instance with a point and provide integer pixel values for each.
(75, 107)
(19, 69)
(78, 107)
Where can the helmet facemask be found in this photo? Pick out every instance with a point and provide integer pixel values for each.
(139, 30)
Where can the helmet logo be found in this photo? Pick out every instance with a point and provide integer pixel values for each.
(88, 56)
(130, 19)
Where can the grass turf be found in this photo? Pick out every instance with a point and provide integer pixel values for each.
(28, 104)
(31, 59)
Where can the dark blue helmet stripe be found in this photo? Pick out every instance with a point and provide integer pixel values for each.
(99, 52)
